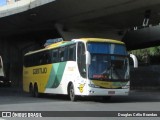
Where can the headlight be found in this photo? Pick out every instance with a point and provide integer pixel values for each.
(93, 86)
(125, 87)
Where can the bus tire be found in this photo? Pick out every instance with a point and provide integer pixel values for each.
(71, 93)
(36, 93)
(31, 91)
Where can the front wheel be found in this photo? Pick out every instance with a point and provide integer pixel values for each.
(72, 95)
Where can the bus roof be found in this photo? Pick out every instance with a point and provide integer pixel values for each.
(55, 45)
(101, 40)
(63, 43)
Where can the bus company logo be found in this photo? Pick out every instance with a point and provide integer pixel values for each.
(81, 86)
(40, 71)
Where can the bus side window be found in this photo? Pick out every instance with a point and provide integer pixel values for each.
(55, 56)
(35, 59)
(72, 53)
(63, 54)
(66, 53)
(48, 57)
(30, 60)
(45, 58)
(41, 59)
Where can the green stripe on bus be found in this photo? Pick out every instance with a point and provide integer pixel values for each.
(56, 75)
(52, 75)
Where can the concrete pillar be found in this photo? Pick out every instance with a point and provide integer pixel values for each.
(5, 53)
(15, 67)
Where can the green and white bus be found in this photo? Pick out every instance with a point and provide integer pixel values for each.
(81, 67)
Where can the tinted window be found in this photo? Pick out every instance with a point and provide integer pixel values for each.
(36, 59)
(81, 59)
(72, 53)
(63, 54)
(67, 53)
(55, 56)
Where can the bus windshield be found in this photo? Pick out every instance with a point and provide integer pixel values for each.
(108, 62)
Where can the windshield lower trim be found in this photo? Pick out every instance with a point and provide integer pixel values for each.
(111, 80)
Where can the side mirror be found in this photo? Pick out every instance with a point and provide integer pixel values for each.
(88, 58)
(135, 61)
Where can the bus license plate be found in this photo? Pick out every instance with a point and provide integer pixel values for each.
(111, 92)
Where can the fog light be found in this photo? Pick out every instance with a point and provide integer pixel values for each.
(125, 87)
(91, 91)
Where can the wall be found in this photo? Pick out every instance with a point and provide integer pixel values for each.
(12, 51)
(146, 77)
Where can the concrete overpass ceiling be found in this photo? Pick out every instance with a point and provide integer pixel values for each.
(117, 14)
(128, 19)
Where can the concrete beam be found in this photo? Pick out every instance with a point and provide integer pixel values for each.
(143, 38)
(73, 32)
(21, 6)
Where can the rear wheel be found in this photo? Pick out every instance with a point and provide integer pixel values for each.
(72, 95)
(31, 91)
(36, 93)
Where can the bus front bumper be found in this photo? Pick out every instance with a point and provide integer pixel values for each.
(107, 92)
